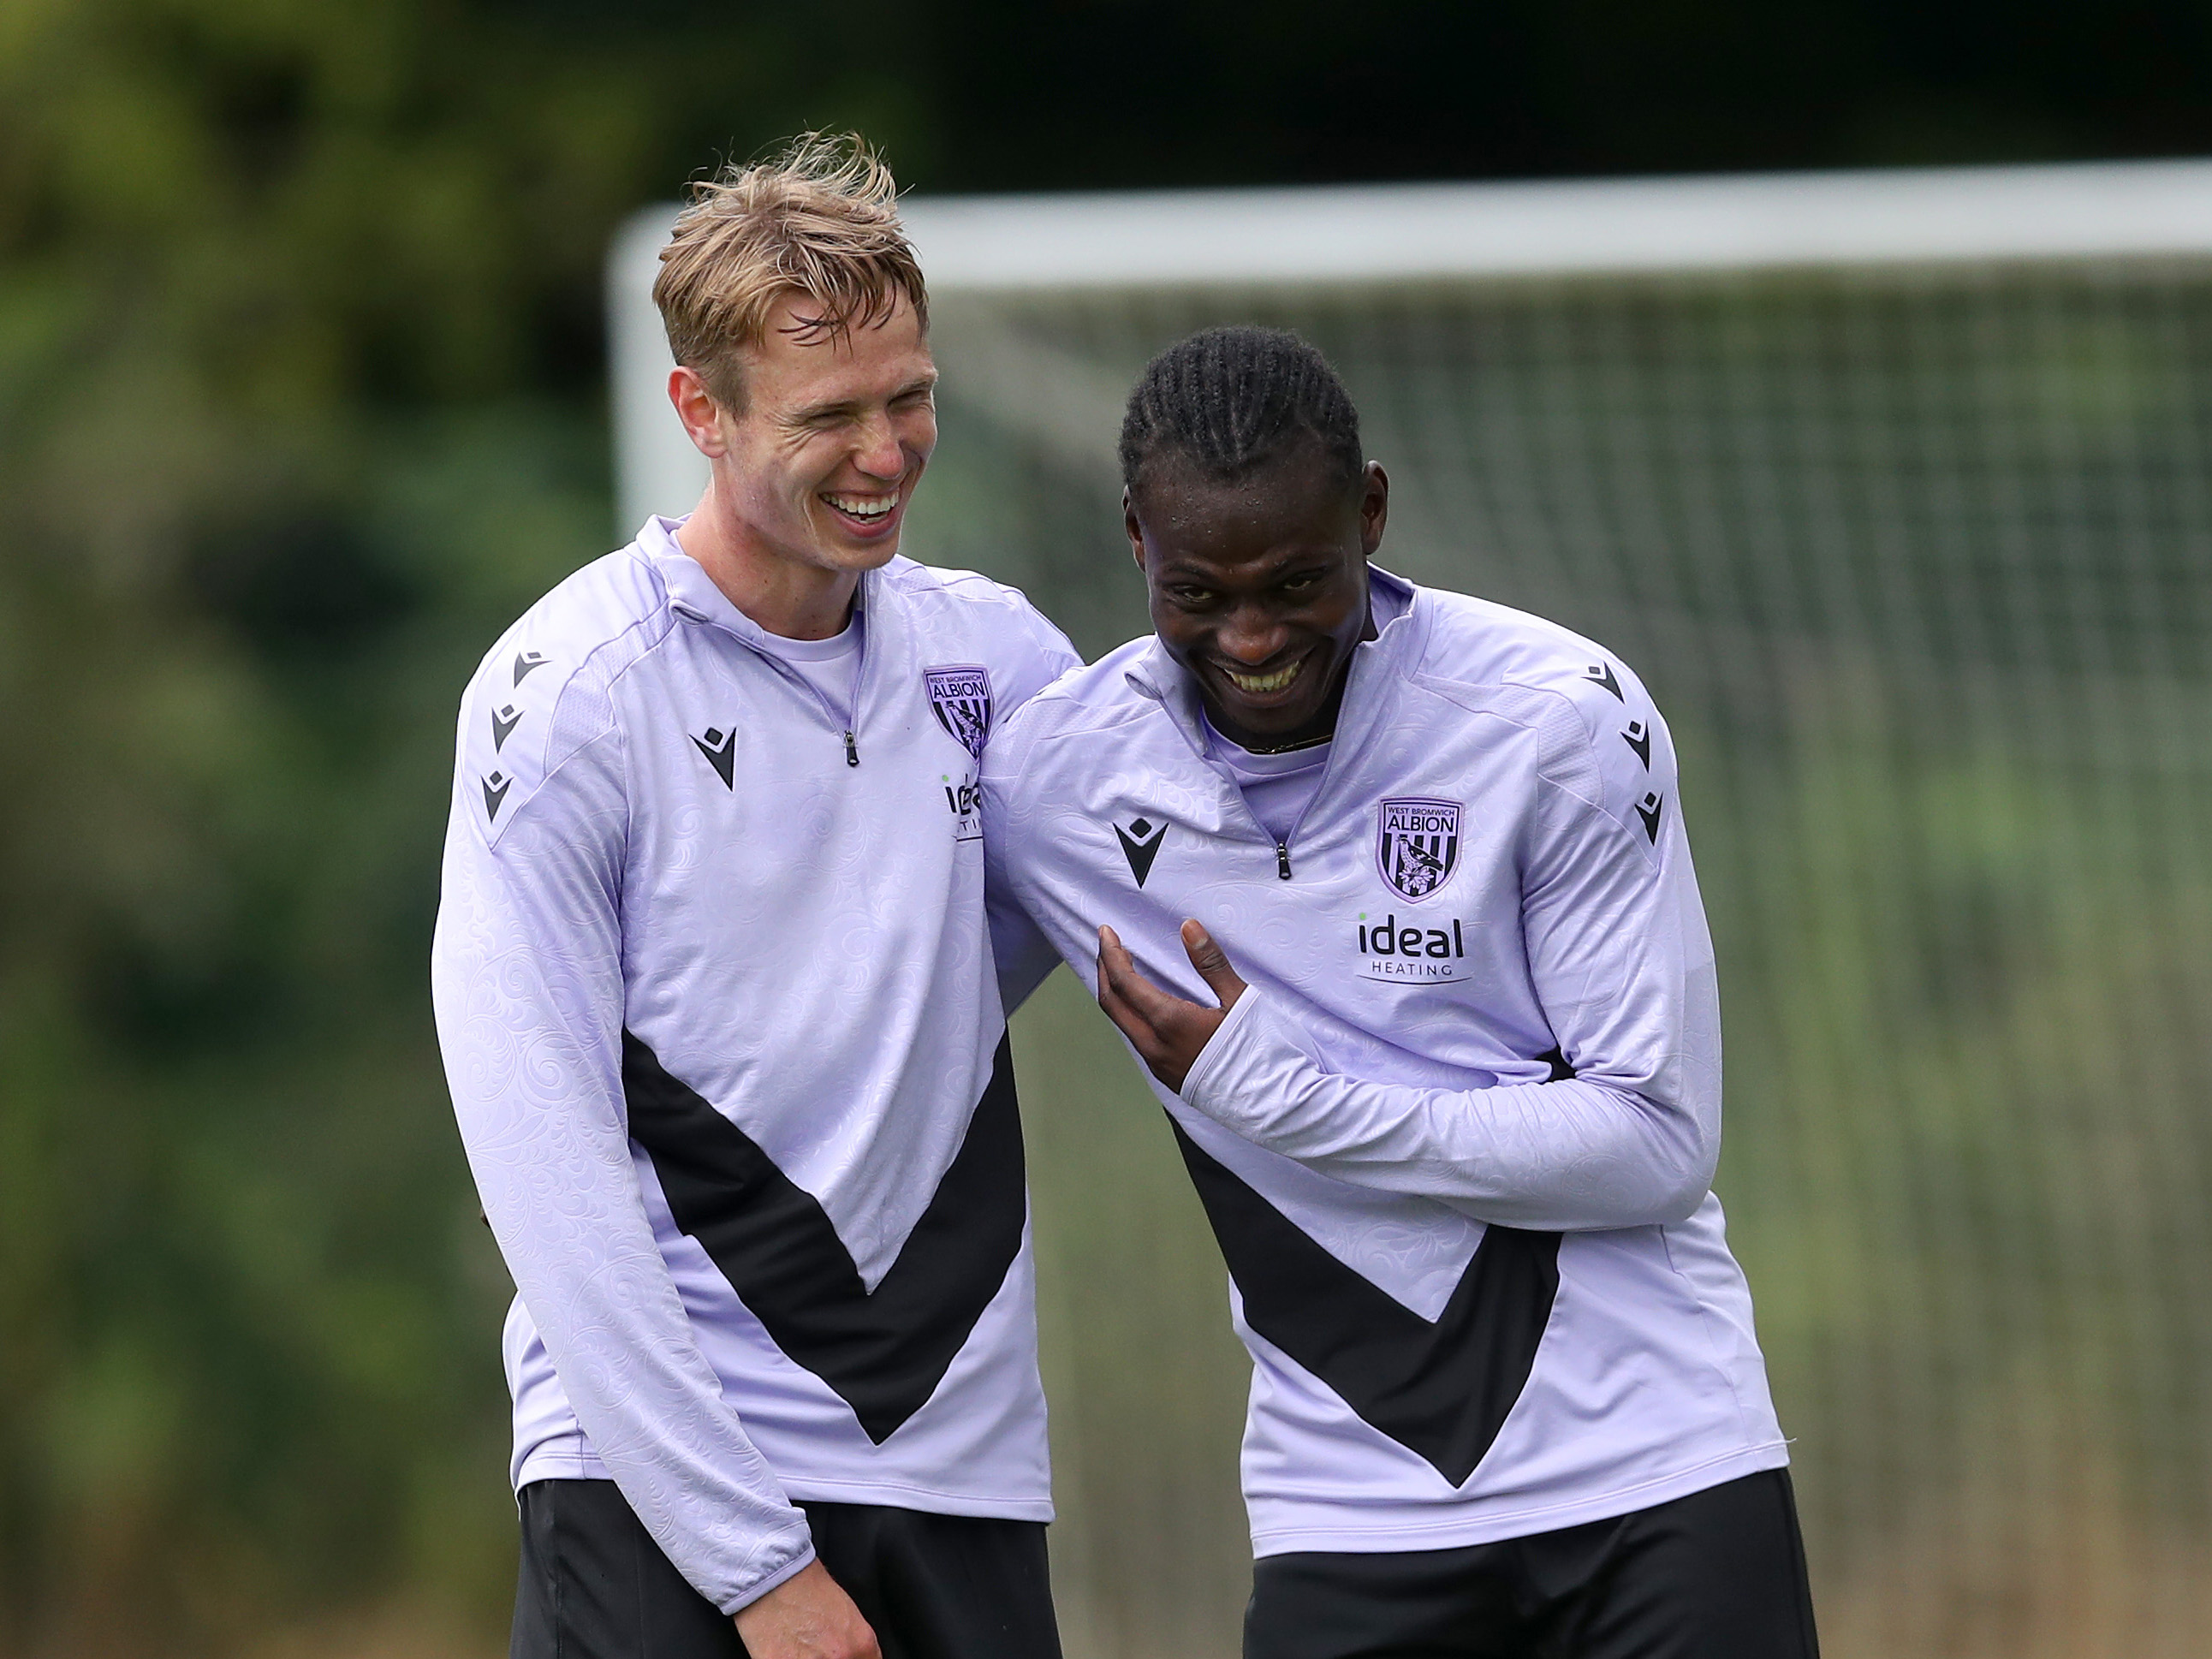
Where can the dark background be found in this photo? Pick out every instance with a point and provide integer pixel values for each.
(301, 401)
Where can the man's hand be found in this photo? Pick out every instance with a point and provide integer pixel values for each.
(806, 1616)
(1166, 1031)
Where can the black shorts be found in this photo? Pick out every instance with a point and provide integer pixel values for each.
(594, 1585)
(1718, 1574)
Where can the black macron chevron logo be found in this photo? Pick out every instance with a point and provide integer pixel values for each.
(1140, 845)
(720, 749)
(1638, 737)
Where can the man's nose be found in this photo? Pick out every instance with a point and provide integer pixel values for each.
(1250, 634)
(879, 453)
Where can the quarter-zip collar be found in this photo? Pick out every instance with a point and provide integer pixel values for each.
(1394, 652)
(692, 592)
(693, 595)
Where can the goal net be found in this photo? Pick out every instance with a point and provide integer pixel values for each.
(1896, 490)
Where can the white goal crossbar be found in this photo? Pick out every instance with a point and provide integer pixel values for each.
(1344, 236)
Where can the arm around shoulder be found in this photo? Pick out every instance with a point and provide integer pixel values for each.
(1024, 956)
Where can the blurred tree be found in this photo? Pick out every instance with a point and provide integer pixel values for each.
(297, 390)
(1147, 92)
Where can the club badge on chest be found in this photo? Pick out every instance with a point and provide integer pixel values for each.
(1416, 844)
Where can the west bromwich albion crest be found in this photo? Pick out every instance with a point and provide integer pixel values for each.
(1417, 847)
(961, 698)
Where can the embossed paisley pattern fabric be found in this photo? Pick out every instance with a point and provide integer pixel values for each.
(1482, 997)
(660, 830)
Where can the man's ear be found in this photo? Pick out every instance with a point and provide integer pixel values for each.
(1374, 507)
(700, 415)
(1134, 530)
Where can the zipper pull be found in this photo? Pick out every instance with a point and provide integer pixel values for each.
(1282, 860)
(852, 751)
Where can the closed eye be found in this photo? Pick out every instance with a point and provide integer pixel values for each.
(825, 416)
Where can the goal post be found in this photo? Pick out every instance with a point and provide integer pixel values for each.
(975, 249)
(1896, 488)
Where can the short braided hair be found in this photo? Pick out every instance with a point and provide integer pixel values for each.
(1230, 400)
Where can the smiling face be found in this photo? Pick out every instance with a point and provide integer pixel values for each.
(1258, 587)
(812, 475)
(834, 432)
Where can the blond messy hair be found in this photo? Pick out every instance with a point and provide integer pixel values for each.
(820, 217)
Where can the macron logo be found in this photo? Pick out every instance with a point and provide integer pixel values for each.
(1140, 845)
(720, 749)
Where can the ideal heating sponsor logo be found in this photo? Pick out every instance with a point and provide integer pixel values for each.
(1389, 952)
(965, 800)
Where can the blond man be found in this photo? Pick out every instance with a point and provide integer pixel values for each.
(716, 990)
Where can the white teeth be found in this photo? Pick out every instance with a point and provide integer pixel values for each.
(1259, 684)
(863, 506)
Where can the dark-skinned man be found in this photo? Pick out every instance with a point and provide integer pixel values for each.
(1388, 890)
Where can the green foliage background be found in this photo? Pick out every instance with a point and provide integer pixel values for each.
(284, 438)
(299, 404)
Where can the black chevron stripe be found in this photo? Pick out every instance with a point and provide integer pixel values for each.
(1441, 1390)
(883, 1351)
